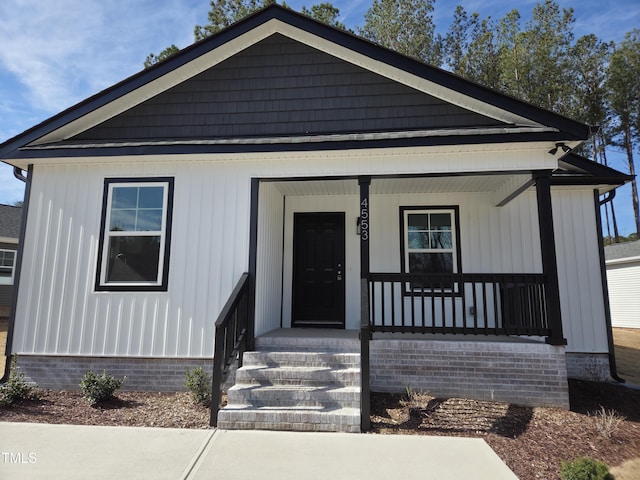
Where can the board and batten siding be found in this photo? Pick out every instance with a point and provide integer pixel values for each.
(58, 310)
(579, 274)
(59, 313)
(269, 259)
(623, 278)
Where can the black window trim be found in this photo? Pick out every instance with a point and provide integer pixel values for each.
(458, 265)
(163, 286)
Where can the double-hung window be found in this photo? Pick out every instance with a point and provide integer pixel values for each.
(430, 245)
(7, 266)
(135, 234)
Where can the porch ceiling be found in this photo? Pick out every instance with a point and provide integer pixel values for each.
(390, 186)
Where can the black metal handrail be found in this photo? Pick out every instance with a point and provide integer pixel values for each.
(459, 303)
(230, 341)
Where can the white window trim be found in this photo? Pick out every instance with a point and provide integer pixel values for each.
(107, 235)
(13, 267)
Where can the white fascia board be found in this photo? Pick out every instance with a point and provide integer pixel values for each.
(622, 261)
(432, 160)
(228, 49)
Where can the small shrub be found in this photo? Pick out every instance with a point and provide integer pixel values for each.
(607, 422)
(16, 388)
(199, 384)
(585, 469)
(415, 400)
(98, 388)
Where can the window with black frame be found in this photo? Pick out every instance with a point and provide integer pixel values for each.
(136, 227)
(430, 247)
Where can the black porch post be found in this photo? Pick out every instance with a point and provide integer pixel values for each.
(253, 254)
(365, 333)
(549, 259)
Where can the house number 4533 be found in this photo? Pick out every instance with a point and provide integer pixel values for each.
(364, 220)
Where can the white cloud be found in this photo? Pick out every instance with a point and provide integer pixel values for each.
(64, 51)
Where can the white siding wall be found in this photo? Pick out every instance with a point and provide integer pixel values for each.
(493, 239)
(58, 311)
(624, 293)
(269, 260)
(581, 297)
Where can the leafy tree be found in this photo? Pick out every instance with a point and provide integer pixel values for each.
(405, 26)
(470, 48)
(326, 13)
(624, 95)
(152, 59)
(225, 12)
(535, 60)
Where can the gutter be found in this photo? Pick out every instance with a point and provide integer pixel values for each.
(605, 287)
(19, 174)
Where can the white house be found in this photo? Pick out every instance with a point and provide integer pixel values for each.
(310, 189)
(623, 277)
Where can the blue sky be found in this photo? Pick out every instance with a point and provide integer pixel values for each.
(56, 53)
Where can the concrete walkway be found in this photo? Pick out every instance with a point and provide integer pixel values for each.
(42, 451)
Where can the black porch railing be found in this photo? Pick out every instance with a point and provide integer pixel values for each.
(230, 341)
(464, 303)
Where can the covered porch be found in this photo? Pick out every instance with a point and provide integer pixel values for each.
(461, 254)
(485, 324)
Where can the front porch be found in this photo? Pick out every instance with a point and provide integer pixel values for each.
(310, 379)
(493, 335)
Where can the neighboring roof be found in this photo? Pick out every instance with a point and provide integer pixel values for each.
(10, 220)
(523, 121)
(619, 251)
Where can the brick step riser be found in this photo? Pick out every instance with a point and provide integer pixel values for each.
(289, 420)
(301, 359)
(281, 376)
(287, 398)
(312, 346)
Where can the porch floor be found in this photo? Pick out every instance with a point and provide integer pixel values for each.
(354, 334)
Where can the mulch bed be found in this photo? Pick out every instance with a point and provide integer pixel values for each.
(533, 442)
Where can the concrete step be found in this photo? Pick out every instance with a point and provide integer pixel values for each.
(294, 395)
(304, 419)
(294, 383)
(338, 360)
(307, 344)
(310, 376)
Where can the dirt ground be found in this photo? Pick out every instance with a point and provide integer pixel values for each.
(627, 347)
(4, 324)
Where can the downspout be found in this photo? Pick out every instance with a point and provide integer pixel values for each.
(18, 173)
(605, 287)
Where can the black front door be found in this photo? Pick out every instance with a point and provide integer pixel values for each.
(318, 270)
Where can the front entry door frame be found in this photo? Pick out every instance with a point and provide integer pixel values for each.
(318, 277)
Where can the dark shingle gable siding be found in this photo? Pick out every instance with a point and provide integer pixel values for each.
(282, 87)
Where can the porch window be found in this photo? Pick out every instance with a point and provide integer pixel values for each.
(135, 234)
(7, 266)
(430, 246)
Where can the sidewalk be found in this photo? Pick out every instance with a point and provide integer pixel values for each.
(42, 451)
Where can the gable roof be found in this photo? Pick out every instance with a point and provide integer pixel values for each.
(621, 251)
(504, 118)
(10, 220)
